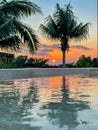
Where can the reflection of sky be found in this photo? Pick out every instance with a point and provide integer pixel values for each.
(65, 103)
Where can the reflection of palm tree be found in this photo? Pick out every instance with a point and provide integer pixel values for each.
(13, 107)
(65, 112)
(63, 27)
(30, 98)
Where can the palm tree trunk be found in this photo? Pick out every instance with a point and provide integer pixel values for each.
(63, 59)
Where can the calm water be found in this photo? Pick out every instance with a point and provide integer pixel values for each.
(54, 103)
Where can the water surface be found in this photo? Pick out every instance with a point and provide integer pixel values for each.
(51, 103)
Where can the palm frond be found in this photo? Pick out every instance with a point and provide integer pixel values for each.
(63, 18)
(27, 35)
(66, 25)
(2, 2)
(50, 29)
(68, 9)
(12, 43)
(7, 29)
(80, 32)
(19, 8)
(10, 27)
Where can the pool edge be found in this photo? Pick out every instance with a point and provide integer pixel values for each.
(7, 74)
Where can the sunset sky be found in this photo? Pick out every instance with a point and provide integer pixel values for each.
(85, 11)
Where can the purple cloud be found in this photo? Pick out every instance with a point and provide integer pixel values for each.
(44, 50)
(23, 50)
(80, 47)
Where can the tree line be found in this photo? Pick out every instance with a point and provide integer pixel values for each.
(9, 61)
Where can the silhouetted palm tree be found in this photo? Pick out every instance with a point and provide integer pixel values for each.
(64, 27)
(14, 32)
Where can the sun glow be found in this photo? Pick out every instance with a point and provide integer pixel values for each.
(53, 60)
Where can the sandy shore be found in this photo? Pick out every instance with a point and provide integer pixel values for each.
(7, 74)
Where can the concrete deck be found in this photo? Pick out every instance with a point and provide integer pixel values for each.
(8, 74)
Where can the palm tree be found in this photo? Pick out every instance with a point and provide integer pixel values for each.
(13, 32)
(63, 26)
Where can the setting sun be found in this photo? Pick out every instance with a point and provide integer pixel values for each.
(53, 60)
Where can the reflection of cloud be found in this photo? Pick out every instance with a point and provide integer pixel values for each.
(80, 47)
